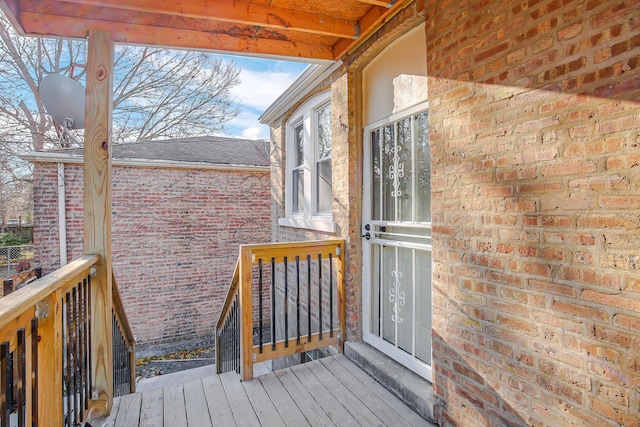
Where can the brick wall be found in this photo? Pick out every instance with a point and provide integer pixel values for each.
(175, 239)
(535, 118)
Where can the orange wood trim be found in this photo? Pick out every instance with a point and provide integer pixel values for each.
(24, 299)
(305, 345)
(342, 303)
(130, 33)
(50, 364)
(231, 294)
(246, 316)
(239, 12)
(97, 213)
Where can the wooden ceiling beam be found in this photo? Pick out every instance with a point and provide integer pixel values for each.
(387, 4)
(55, 25)
(238, 12)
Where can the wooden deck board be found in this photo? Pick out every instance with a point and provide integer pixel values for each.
(240, 404)
(287, 408)
(196, 404)
(129, 411)
(329, 392)
(151, 412)
(219, 408)
(305, 402)
(371, 400)
(175, 413)
(400, 407)
(325, 398)
(351, 402)
(265, 409)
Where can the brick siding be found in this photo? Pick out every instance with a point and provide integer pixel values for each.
(534, 118)
(535, 121)
(175, 239)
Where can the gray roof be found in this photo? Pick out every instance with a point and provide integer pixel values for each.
(215, 150)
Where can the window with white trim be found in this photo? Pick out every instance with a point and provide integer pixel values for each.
(308, 181)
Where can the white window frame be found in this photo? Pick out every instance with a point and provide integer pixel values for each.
(309, 217)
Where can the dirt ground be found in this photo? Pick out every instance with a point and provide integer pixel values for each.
(148, 366)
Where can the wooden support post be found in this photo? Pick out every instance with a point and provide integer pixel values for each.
(342, 306)
(246, 316)
(50, 368)
(97, 213)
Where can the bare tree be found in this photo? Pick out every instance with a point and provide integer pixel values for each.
(158, 94)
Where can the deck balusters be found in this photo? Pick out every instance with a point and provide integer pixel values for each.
(309, 296)
(286, 303)
(320, 296)
(228, 348)
(260, 315)
(6, 379)
(298, 299)
(121, 361)
(273, 304)
(34, 371)
(77, 361)
(21, 352)
(82, 343)
(331, 295)
(276, 299)
(89, 326)
(67, 362)
(49, 354)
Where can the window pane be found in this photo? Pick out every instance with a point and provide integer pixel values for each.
(297, 202)
(324, 193)
(298, 147)
(323, 117)
(388, 173)
(404, 171)
(423, 306)
(404, 294)
(375, 174)
(423, 166)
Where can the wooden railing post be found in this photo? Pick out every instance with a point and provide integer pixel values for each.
(342, 303)
(50, 363)
(246, 317)
(97, 213)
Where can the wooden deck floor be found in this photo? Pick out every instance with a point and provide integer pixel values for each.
(327, 392)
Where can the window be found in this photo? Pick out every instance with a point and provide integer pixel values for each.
(308, 182)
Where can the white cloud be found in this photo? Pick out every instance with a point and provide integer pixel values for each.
(252, 133)
(246, 125)
(258, 89)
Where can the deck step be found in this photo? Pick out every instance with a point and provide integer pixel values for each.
(412, 389)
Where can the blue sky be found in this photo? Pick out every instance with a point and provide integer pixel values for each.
(261, 82)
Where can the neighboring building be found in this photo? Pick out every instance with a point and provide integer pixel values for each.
(481, 160)
(180, 210)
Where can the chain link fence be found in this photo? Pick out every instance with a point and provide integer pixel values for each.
(12, 259)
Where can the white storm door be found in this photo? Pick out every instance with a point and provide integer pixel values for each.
(397, 263)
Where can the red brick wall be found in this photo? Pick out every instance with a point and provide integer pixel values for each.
(175, 239)
(535, 118)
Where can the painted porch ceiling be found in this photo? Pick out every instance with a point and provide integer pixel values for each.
(306, 29)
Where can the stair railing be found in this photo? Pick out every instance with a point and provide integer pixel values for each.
(46, 333)
(284, 299)
(124, 347)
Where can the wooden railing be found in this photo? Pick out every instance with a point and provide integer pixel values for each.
(227, 350)
(46, 331)
(284, 299)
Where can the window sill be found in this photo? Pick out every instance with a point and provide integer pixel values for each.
(325, 225)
